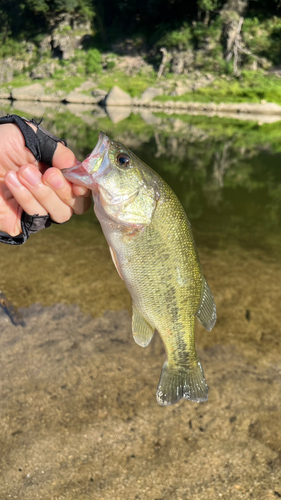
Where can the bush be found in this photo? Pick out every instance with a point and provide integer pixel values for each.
(110, 65)
(263, 38)
(11, 48)
(181, 38)
(58, 74)
(93, 62)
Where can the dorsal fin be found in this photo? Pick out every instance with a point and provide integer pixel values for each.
(207, 312)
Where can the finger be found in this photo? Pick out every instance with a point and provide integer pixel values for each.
(63, 188)
(10, 212)
(84, 205)
(65, 158)
(31, 178)
(23, 196)
(81, 191)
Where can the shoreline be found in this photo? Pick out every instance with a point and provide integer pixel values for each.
(147, 113)
(36, 93)
(235, 109)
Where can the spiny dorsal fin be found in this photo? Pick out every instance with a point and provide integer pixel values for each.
(142, 331)
(207, 312)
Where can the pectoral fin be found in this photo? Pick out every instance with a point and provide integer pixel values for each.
(142, 331)
(207, 312)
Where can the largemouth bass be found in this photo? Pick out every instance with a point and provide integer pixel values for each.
(153, 249)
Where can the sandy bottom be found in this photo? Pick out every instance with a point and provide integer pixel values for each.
(78, 414)
(79, 419)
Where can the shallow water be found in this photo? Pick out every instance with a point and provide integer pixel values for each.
(79, 397)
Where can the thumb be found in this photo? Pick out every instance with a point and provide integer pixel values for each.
(64, 157)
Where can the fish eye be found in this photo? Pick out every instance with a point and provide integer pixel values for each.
(123, 160)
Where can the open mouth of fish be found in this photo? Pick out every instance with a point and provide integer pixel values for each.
(95, 159)
(86, 173)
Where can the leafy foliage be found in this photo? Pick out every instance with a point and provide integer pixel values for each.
(126, 18)
(181, 38)
(264, 37)
(250, 87)
(197, 26)
(93, 62)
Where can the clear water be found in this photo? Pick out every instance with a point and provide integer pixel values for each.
(227, 175)
(231, 192)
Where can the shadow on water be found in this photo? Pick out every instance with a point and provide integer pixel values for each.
(78, 412)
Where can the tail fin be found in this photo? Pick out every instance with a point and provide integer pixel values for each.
(180, 382)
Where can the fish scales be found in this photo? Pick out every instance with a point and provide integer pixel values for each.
(167, 290)
(153, 249)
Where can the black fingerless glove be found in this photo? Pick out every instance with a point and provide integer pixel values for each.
(42, 145)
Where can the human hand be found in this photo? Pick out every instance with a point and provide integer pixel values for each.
(28, 185)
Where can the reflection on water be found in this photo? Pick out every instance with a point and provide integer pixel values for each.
(227, 175)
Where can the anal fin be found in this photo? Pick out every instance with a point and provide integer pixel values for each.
(142, 331)
(207, 312)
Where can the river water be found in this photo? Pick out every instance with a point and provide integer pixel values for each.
(79, 417)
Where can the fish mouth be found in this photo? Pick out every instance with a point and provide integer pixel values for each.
(83, 174)
(78, 175)
(93, 162)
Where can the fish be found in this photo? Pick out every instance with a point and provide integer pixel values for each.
(153, 249)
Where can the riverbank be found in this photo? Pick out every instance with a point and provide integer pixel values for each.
(229, 57)
(88, 93)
